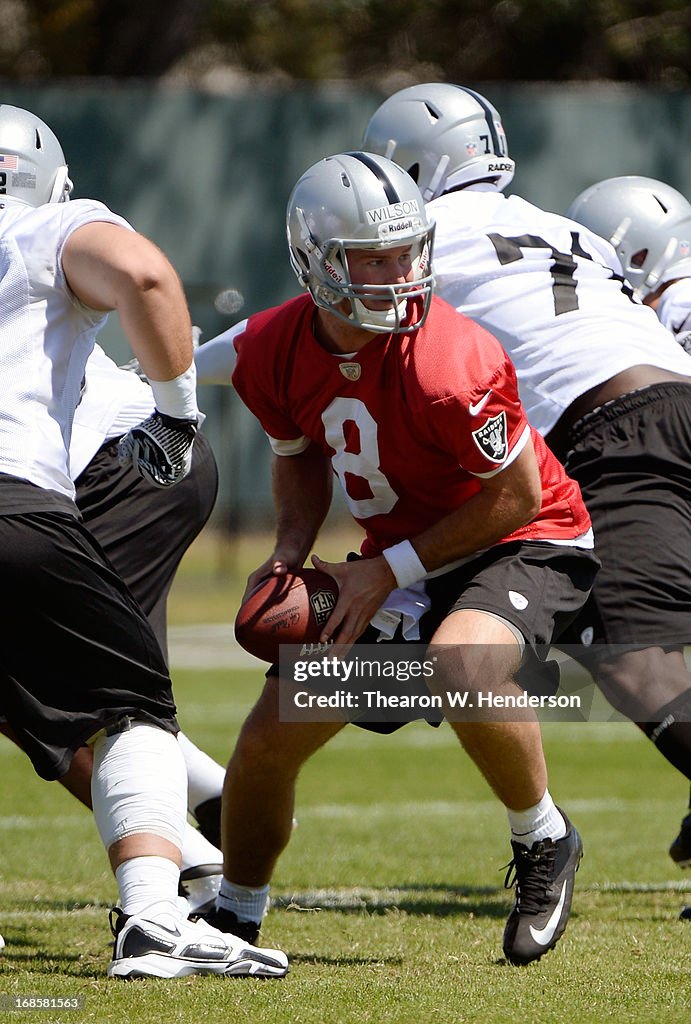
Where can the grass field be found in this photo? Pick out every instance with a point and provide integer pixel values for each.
(389, 899)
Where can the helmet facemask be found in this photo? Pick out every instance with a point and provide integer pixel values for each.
(372, 221)
(341, 288)
(62, 186)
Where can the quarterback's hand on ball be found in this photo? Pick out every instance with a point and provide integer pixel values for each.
(159, 449)
(363, 587)
(282, 561)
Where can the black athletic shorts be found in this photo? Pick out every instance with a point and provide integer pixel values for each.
(78, 653)
(536, 587)
(144, 530)
(632, 459)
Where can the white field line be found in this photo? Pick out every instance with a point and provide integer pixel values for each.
(213, 646)
(359, 812)
(46, 821)
(363, 897)
(451, 808)
(230, 713)
(209, 645)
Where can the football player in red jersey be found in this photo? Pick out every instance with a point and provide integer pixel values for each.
(468, 518)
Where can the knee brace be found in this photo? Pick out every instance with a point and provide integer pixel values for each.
(139, 784)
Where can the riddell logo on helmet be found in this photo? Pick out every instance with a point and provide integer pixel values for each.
(499, 167)
(399, 227)
(393, 212)
(332, 272)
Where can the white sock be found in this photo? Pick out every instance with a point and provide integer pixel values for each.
(246, 903)
(148, 883)
(198, 850)
(204, 775)
(543, 821)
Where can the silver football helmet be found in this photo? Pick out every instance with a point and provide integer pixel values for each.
(647, 222)
(360, 201)
(32, 164)
(445, 136)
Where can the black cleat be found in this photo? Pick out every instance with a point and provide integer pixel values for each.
(544, 878)
(226, 921)
(680, 850)
(685, 914)
(208, 818)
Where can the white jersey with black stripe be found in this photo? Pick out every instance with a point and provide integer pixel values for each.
(46, 336)
(545, 287)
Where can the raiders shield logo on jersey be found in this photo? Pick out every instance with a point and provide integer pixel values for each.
(491, 438)
(351, 371)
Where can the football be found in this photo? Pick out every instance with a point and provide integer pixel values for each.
(289, 609)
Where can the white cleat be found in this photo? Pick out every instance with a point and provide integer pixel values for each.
(172, 947)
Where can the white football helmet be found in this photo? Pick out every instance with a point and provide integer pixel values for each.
(360, 201)
(444, 136)
(647, 222)
(32, 164)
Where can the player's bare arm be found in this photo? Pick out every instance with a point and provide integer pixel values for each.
(109, 267)
(302, 489)
(506, 501)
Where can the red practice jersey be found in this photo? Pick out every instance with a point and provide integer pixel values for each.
(410, 423)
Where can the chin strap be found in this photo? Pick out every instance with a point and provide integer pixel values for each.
(384, 318)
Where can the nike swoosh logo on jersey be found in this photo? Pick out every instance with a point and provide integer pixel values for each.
(479, 406)
(543, 936)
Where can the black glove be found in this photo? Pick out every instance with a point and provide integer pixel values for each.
(159, 449)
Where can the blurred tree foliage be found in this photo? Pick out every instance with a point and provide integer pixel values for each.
(366, 40)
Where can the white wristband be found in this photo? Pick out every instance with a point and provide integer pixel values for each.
(404, 563)
(177, 397)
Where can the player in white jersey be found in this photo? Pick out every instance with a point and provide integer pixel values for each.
(81, 663)
(144, 532)
(648, 223)
(600, 378)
